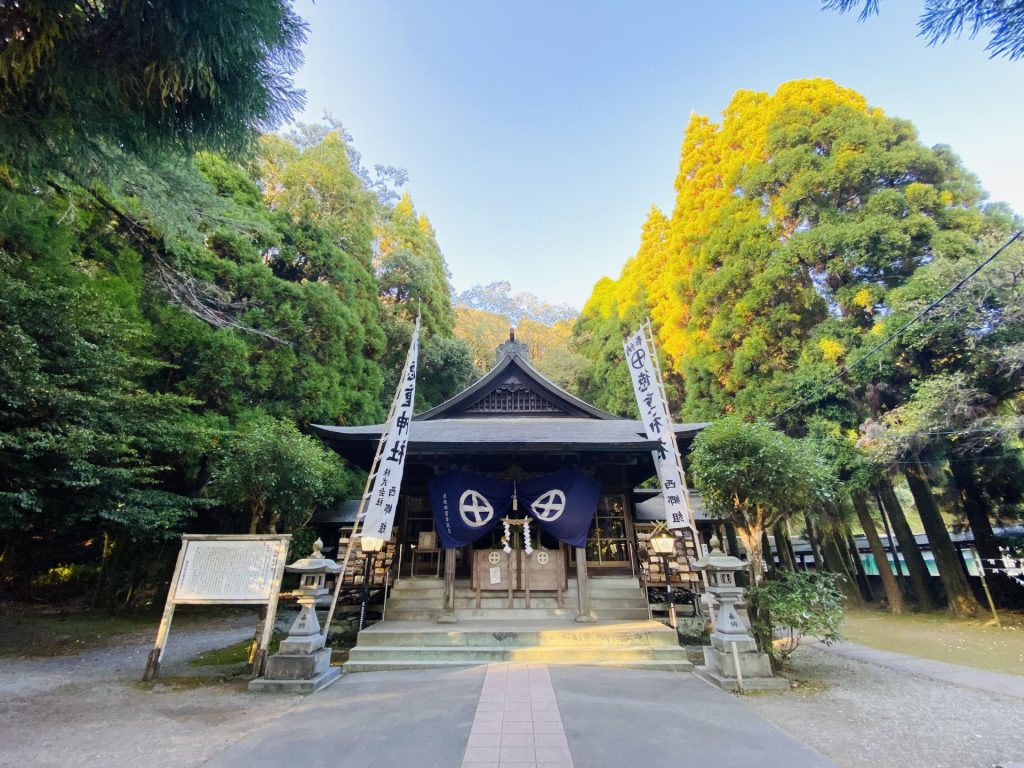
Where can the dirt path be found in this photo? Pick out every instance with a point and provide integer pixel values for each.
(89, 709)
(865, 716)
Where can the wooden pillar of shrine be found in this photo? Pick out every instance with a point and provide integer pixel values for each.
(582, 587)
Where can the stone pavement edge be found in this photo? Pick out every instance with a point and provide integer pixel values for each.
(609, 717)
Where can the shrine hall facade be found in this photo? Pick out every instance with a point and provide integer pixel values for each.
(514, 424)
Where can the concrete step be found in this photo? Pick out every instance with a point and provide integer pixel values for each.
(419, 616)
(513, 614)
(503, 635)
(658, 665)
(490, 654)
(427, 614)
(482, 639)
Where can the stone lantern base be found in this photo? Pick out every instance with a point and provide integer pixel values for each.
(296, 668)
(755, 667)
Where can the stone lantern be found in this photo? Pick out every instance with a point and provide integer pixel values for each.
(732, 661)
(303, 664)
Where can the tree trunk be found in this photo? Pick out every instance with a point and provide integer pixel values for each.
(730, 535)
(812, 538)
(786, 559)
(858, 567)
(766, 553)
(920, 578)
(892, 589)
(256, 517)
(834, 561)
(958, 592)
(973, 504)
(752, 542)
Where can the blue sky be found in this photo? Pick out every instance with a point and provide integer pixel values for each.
(538, 134)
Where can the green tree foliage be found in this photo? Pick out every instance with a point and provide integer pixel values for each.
(756, 477)
(147, 77)
(799, 605)
(84, 441)
(137, 352)
(945, 19)
(274, 475)
(808, 227)
(616, 309)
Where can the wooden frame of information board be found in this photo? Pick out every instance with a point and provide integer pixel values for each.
(226, 570)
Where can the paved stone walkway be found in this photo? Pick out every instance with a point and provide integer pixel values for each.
(517, 723)
(506, 715)
(969, 677)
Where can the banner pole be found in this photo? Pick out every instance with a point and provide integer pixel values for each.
(656, 363)
(374, 469)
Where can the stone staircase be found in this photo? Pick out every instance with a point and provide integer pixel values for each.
(411, 638)
(618, 598)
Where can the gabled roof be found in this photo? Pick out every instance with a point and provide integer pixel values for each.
(514, 379)
(512, 410)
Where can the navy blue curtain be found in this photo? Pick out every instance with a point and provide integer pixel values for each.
(563, 504)
(466, 506)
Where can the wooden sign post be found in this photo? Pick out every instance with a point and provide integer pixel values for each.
(225, 570)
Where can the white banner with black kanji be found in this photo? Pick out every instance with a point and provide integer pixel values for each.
(655, 418)
(382, 500)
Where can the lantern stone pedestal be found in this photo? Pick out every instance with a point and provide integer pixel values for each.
(732, 661)
(302, 664)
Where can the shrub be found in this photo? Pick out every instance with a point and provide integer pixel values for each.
(799, 604)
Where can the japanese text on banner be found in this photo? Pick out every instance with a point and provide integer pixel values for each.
(382, 501)
(655, 418)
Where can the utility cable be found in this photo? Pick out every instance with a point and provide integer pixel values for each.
(892, 336)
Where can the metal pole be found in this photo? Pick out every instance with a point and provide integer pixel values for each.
(736, 663)
(984, 584)
(653, 351)
(367, 570)
(672, 622)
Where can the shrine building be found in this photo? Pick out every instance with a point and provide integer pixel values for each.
(466, 581)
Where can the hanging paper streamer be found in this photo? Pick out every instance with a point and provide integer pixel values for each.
(527, 545)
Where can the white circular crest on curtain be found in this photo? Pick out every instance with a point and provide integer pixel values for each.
(474, 509)
(549, 506)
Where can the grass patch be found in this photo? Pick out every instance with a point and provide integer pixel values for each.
(938, 636)
(219, 657)
(26, 631)
(24, 634)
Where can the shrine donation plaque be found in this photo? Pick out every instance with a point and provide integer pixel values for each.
(226, 571)
(494, 570)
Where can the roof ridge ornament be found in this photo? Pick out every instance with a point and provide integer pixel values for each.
(511, 348)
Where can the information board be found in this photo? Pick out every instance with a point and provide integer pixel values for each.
(229, 571)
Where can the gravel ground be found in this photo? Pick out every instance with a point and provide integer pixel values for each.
(91, 710)
(865, 716)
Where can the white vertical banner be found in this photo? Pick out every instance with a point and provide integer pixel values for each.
(658, 425)
(382, 498)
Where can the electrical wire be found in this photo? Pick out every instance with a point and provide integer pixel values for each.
(892, 336)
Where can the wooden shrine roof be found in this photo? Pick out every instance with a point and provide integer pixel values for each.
(513, 409)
